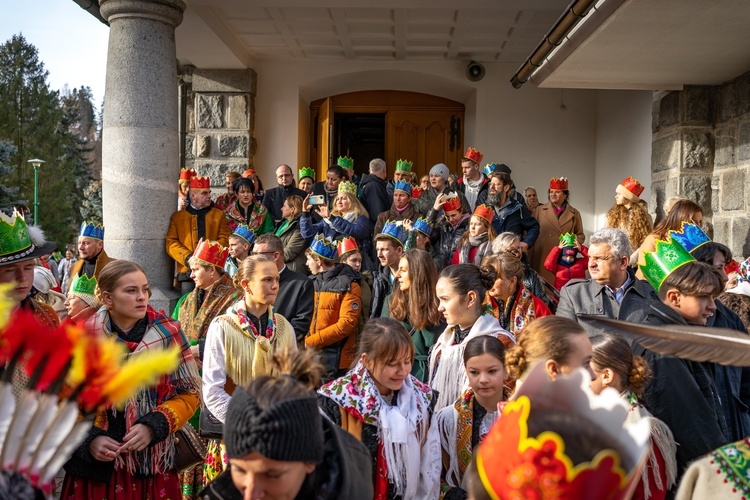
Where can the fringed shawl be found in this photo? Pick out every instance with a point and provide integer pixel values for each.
(195, 317)
(161, 333)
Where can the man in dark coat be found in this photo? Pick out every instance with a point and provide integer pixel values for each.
(374, 195)
(510, 215)
(273, 199)
(296, 295)
(613, 290)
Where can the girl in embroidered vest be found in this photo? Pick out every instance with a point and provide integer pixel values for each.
(389, 410)
(129, 452)
(414, 303)
(512, 303)
(240, 346)
(461, 292)
(247, 210)
(463, 425)
(560, 343)
(615, 366)
(476, 243)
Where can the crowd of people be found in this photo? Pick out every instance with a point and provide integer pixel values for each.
(390, 338)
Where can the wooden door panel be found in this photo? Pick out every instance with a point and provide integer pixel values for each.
(422, 137)
(324, 138)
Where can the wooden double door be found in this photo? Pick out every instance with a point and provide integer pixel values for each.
(420, 128)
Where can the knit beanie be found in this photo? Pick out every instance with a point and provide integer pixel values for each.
(440, 169)
(288, 431)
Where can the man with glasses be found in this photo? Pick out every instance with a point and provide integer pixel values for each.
(510, 215)
(274, 198)
(613, 291)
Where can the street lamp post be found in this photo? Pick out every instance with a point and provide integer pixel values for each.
(36, 163)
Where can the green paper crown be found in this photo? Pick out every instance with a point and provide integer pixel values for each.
(306, 172)
(345, 162)
(14, 235)
(663, 261)
(568, 239)
(83, 284)
(403, 166)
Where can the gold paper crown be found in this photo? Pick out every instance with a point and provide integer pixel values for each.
(348, 187)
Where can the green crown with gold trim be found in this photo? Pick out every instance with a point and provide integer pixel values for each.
(667, 257)
(345, 162)
(348, 187)
(83, 284)
(568, 239)
(14, 235)
(306, 172)
(403, 166)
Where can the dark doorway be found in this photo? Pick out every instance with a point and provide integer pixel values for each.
(360, 136)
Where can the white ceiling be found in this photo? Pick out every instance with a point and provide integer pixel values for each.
(234, 33)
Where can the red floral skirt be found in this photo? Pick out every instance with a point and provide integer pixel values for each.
(122, 484)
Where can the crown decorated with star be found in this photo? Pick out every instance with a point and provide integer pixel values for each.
(324, 247)
(568, 239)
(200, 183)
(83, 284)
(14, 235)
(345, 162)
(211, 253)
(485, 212)
(402, 186)
(403, 166)
(559, 183)
(348, 244)
(423, 225)
(187, 174)
(667, 257)
(452, 202)
(348, 187)
(514, 463)
(92, 230)
(306, 172)
(689, 236)
(394, 229)
(474, 155)
(245, 233)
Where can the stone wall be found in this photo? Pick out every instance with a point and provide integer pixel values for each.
(701, 149)
(220, 122)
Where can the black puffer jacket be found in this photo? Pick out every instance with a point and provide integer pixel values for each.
(381, 287)
(446, 236)
(346, 472)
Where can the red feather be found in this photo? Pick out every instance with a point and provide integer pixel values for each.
(53, 347)
(16, 334)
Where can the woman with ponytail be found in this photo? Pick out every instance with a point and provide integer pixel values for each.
(389, 410)
(461, 291)
(615, 366)
(279, 445)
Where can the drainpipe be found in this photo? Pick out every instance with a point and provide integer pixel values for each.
(575, 12)
(92, 7)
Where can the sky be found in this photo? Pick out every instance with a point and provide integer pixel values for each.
(72, 43)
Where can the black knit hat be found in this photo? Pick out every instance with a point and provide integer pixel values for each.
(288, 431)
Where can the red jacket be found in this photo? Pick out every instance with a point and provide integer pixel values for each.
(564, 274)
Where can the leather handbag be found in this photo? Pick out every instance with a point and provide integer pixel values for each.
(209, 427)
(189, 450)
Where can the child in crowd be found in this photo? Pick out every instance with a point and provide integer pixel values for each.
(568, 260)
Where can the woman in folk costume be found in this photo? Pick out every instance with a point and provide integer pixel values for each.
(461, 291)
(476, 243)
(463, 425)
(131, 452)
(240, 345)
(247, 210)
(629, 214)
(389, 410)
(414, 303)
(82, 303)
(512, 303)
(214, 293)
(511, 243)
(555, 218)
(615, 366)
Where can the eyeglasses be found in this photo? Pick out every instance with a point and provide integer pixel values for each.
(596, 258)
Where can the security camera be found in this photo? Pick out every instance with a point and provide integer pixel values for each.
(474, 71)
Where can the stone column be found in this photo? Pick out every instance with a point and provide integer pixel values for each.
(140, 151)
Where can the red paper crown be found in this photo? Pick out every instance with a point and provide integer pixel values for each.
(248, 173)
(631, 189)
(347, 245)
(416, 192)
(474, 155)
(187, 174)
(453, 203)
(485, 212)
(558, 184)
(211, 253)
(200, 183)
(731, 266)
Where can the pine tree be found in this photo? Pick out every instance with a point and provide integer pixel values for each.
(7, 194)
(91, 208)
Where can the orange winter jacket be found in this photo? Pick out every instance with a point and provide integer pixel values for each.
(182, 236)
(336, 314)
